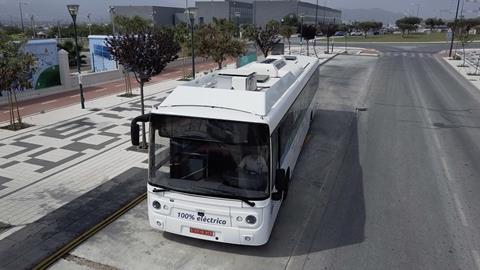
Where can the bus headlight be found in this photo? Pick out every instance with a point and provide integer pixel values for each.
(156, 205)
(251, 219)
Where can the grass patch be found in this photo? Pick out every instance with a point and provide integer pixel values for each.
(413, 37)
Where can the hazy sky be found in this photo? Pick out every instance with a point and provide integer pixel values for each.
(44, 10)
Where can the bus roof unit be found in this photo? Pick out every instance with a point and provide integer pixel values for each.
(259, 89)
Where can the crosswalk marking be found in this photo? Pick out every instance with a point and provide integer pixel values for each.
(408, 54)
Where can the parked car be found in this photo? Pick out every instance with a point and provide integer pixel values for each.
(356, 34)
(340, 34)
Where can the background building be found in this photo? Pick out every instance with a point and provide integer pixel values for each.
(160, 16)
(276, 10)
(249, 12)
(207, 10)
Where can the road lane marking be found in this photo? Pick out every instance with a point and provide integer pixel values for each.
(445, 168)
(476, 258)
(460, 210)
(48, 102)
(118, 85)
(101, 89)
(74, 96)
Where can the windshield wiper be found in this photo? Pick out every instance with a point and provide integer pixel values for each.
(252, 204)
(155, 190)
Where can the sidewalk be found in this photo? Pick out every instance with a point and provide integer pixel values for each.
(54, 101)
(68, 152)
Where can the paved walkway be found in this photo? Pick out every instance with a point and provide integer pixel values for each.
(67, 153)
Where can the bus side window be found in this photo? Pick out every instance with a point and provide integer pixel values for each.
(275, 155)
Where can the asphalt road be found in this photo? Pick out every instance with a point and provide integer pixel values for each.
(392, 187)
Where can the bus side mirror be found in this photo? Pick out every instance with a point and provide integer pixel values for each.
(135, 134)
(280, 184)
(135, 128)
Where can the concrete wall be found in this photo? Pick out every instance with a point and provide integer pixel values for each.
(69, 80)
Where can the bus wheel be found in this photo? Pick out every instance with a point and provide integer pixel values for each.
(285, 192)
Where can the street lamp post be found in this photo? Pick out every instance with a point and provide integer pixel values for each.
(301, 32)
(190, 12)
(21, 14)
(237, 16)
(454, 29)
(111, 10)
(73, 10)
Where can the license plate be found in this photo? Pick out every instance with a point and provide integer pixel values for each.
(202, 232)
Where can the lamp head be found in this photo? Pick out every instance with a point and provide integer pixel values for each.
(73, 10)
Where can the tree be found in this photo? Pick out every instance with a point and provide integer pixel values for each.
(265, 38)
(432, 23)
(69, 47)
(182, 36)
(291, 20)
(287, 31)
(328, 30)
(408, 24)
(308, 33)
(145, 55)
(16, 69)
(217, 41)
(369, 25)
(135, 24)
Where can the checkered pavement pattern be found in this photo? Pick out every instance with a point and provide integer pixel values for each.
(50, 165)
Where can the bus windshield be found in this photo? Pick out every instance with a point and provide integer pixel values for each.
(212, 157)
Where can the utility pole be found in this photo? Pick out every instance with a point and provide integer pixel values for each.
(316, 14)
(454, 29)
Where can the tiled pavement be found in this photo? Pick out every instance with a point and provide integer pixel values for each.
(67, 153)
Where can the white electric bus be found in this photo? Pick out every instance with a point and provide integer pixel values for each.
(222, 149)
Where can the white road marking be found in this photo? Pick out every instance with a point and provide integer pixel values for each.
(118, 85)
(6, 111)
(460, 210)
(74, 96)
(476, 258)
(47, 102)
(445, 168)
(101, 89)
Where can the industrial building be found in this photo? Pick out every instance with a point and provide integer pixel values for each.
(158, 15)
(266, 11)
(258, 12)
